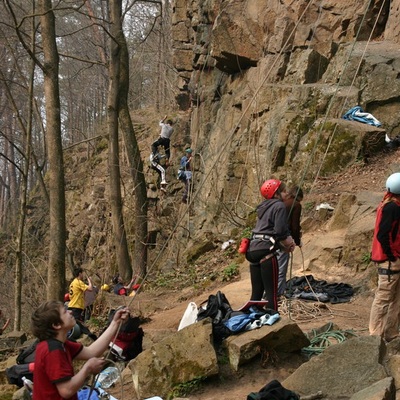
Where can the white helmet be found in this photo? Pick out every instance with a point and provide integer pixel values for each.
(393, 183)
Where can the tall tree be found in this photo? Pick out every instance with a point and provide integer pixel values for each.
(135, 162)
(56, 271)
(121, 244)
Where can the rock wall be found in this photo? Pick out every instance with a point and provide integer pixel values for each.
(268, 82)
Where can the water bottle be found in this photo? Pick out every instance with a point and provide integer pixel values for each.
(107, 377)
(28, 384)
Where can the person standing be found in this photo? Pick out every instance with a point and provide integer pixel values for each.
(77, 290)
(54, 377)
(164, 140)
(385, 316)
(292, 203)
(186, 167)
(271, 232)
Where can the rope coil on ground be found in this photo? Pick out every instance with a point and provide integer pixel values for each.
(320, 341)
(299, 310)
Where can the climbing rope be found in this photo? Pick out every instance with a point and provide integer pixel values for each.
(299, 310)
(229, 137)
(321, 341)
(344, 106)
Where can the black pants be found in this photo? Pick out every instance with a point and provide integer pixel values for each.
(161, 142)
(264, 278)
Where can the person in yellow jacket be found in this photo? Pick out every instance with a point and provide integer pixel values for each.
(77, 290)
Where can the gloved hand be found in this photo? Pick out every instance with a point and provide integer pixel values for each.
(288, 245)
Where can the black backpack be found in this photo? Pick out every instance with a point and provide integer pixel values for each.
(219, 310)
(22, 369)
(130, 336)
(273, 391)
(27, 355)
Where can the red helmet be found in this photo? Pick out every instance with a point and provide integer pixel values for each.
(269, 188)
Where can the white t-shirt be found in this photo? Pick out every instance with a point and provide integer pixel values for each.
(166, 130)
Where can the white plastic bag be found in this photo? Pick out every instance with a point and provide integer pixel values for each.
(189, 316)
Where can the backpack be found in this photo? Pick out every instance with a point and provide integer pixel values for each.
(84, 391)
(219, 310)
(273, 391)
(27, 355)
(24, 367)
(17, 372)
(129, 338)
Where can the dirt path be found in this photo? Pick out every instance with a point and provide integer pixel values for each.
(251, 377)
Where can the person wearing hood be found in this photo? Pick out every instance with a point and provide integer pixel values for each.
(270, 233)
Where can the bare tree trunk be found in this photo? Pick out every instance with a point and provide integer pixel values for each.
(57, 234)
(123, 259)
(12, 173)
(22, 209)
(135, 163)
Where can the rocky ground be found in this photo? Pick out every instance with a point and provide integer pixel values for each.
(165, 307)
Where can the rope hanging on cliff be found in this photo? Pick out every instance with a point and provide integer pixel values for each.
(228, 139)
(344, 106)
(225, 144)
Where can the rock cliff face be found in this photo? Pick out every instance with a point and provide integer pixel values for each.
(264, 85)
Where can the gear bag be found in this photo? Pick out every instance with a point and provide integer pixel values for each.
(129, 338)
(273, 391)
(218, 309)
(24, 366)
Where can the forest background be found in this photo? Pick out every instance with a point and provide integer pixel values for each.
(67, 72)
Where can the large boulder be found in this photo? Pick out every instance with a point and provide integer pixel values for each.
(341, 370)
(179, 358)
(284, 336)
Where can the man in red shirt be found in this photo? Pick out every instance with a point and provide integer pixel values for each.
(54, 376)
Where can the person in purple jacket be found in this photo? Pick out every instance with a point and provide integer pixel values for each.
(270, 234)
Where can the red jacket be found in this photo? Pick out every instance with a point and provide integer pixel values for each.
(386, 240)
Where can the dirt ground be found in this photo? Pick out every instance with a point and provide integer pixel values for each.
(165, 309)
(251, 377)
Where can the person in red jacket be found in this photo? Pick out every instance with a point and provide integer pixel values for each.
(385, 316)
(54, 377)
